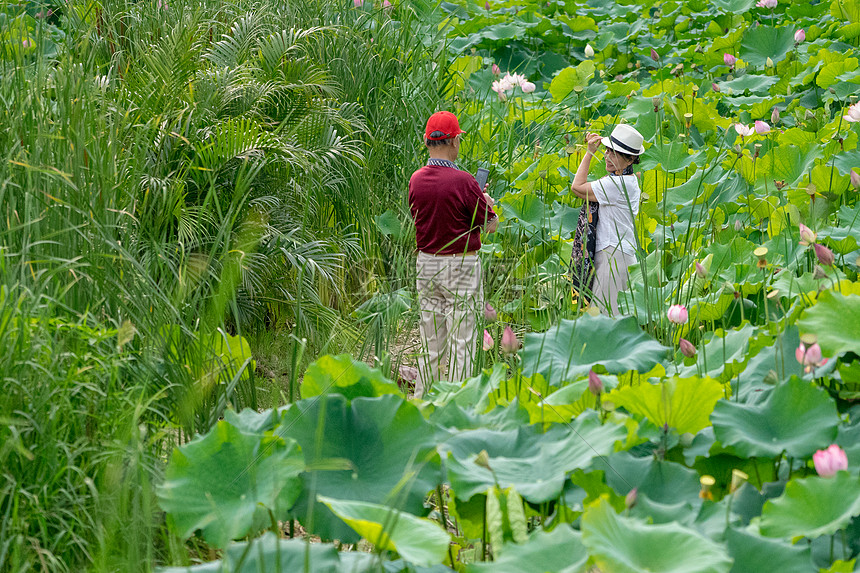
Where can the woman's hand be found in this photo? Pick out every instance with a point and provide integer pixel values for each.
(593, 141)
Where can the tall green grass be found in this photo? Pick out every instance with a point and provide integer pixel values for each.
(172, 174)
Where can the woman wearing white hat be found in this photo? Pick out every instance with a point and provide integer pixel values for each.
(618, 196)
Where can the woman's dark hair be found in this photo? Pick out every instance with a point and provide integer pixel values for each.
(635, 161)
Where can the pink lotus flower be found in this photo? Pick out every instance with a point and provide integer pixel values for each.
(496, 70)
(490, 314)
(488, 341)
(807, 235)
(595, 386)
(527, 87)
(357, 3)
(825, 255)
(510, 342)
(687, 348)
(26, 43)
(678, 314)
(767, 4)
(743, 130)
(853, 113)
(810, 356)
(386, 5)
(761, 127)
(828, 462)
(855, 179)
(715, 87)
(729, 59)
(799, 36)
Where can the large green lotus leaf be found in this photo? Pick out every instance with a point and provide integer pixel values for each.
(472, 394)
(568, 79)
(225, 482)
(557, 551)
(451, 416)
(835, 321)
(662, 481)
(683, 403)
(812, 507)
(347, 376)
(777, 357)
(755, 553)
(724, 355)
(417, 540)
(627, 545)
(387, 446)
(734, 6)
(763, 42)
(753, 82)
(272, 555)
(672, 157)
(798, 417)
(535, 464)
(573, 347)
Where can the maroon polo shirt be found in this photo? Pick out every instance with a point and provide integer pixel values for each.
(449, 210)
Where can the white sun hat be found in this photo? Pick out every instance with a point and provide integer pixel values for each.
(625, 139)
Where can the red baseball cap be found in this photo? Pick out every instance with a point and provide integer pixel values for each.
(443, 122)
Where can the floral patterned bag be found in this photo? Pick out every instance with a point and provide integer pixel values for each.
(581, 269)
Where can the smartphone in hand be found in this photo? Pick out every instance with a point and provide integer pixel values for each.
(481, 177)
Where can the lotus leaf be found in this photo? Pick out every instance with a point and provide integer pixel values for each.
(662, 481)
(225, 482)
(754, 553)
(535, 464)
(724, 355)
(417, 540)
(798, 418)
(386, 443)
(347, 376)
(628, 545)
(812, 507)
(557, 551)
(273, 555)
(765, 42)
(684, 404)
(834, 321)
(571, 349)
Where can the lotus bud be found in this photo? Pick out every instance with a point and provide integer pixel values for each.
(828, 462)
(488, 341)
(510, 343)
(729, 59)
(654, 55)
(483, 460)
(825, 255)
(807, 235)
(818, 273)
(497, 71)
(738, 225)
(739, 478)
(687, 348)
(707, 482)
(589, 51)
(774, 116)
(678, 314)
(809, 355)
(490, 314)
(487, 6)
(357, 3)
(527, 87)
(761, 127)
(630, 498)
(715, 87)
(799, 36)
(595, 386)
(386, 5)
(701, 271)
(855, 179)
(768, 63)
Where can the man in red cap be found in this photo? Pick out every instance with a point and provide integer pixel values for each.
(450, 210)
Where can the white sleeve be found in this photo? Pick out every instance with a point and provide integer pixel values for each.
(606, 191)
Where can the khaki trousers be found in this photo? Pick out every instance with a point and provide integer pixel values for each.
(610, 276)
(450, 293)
